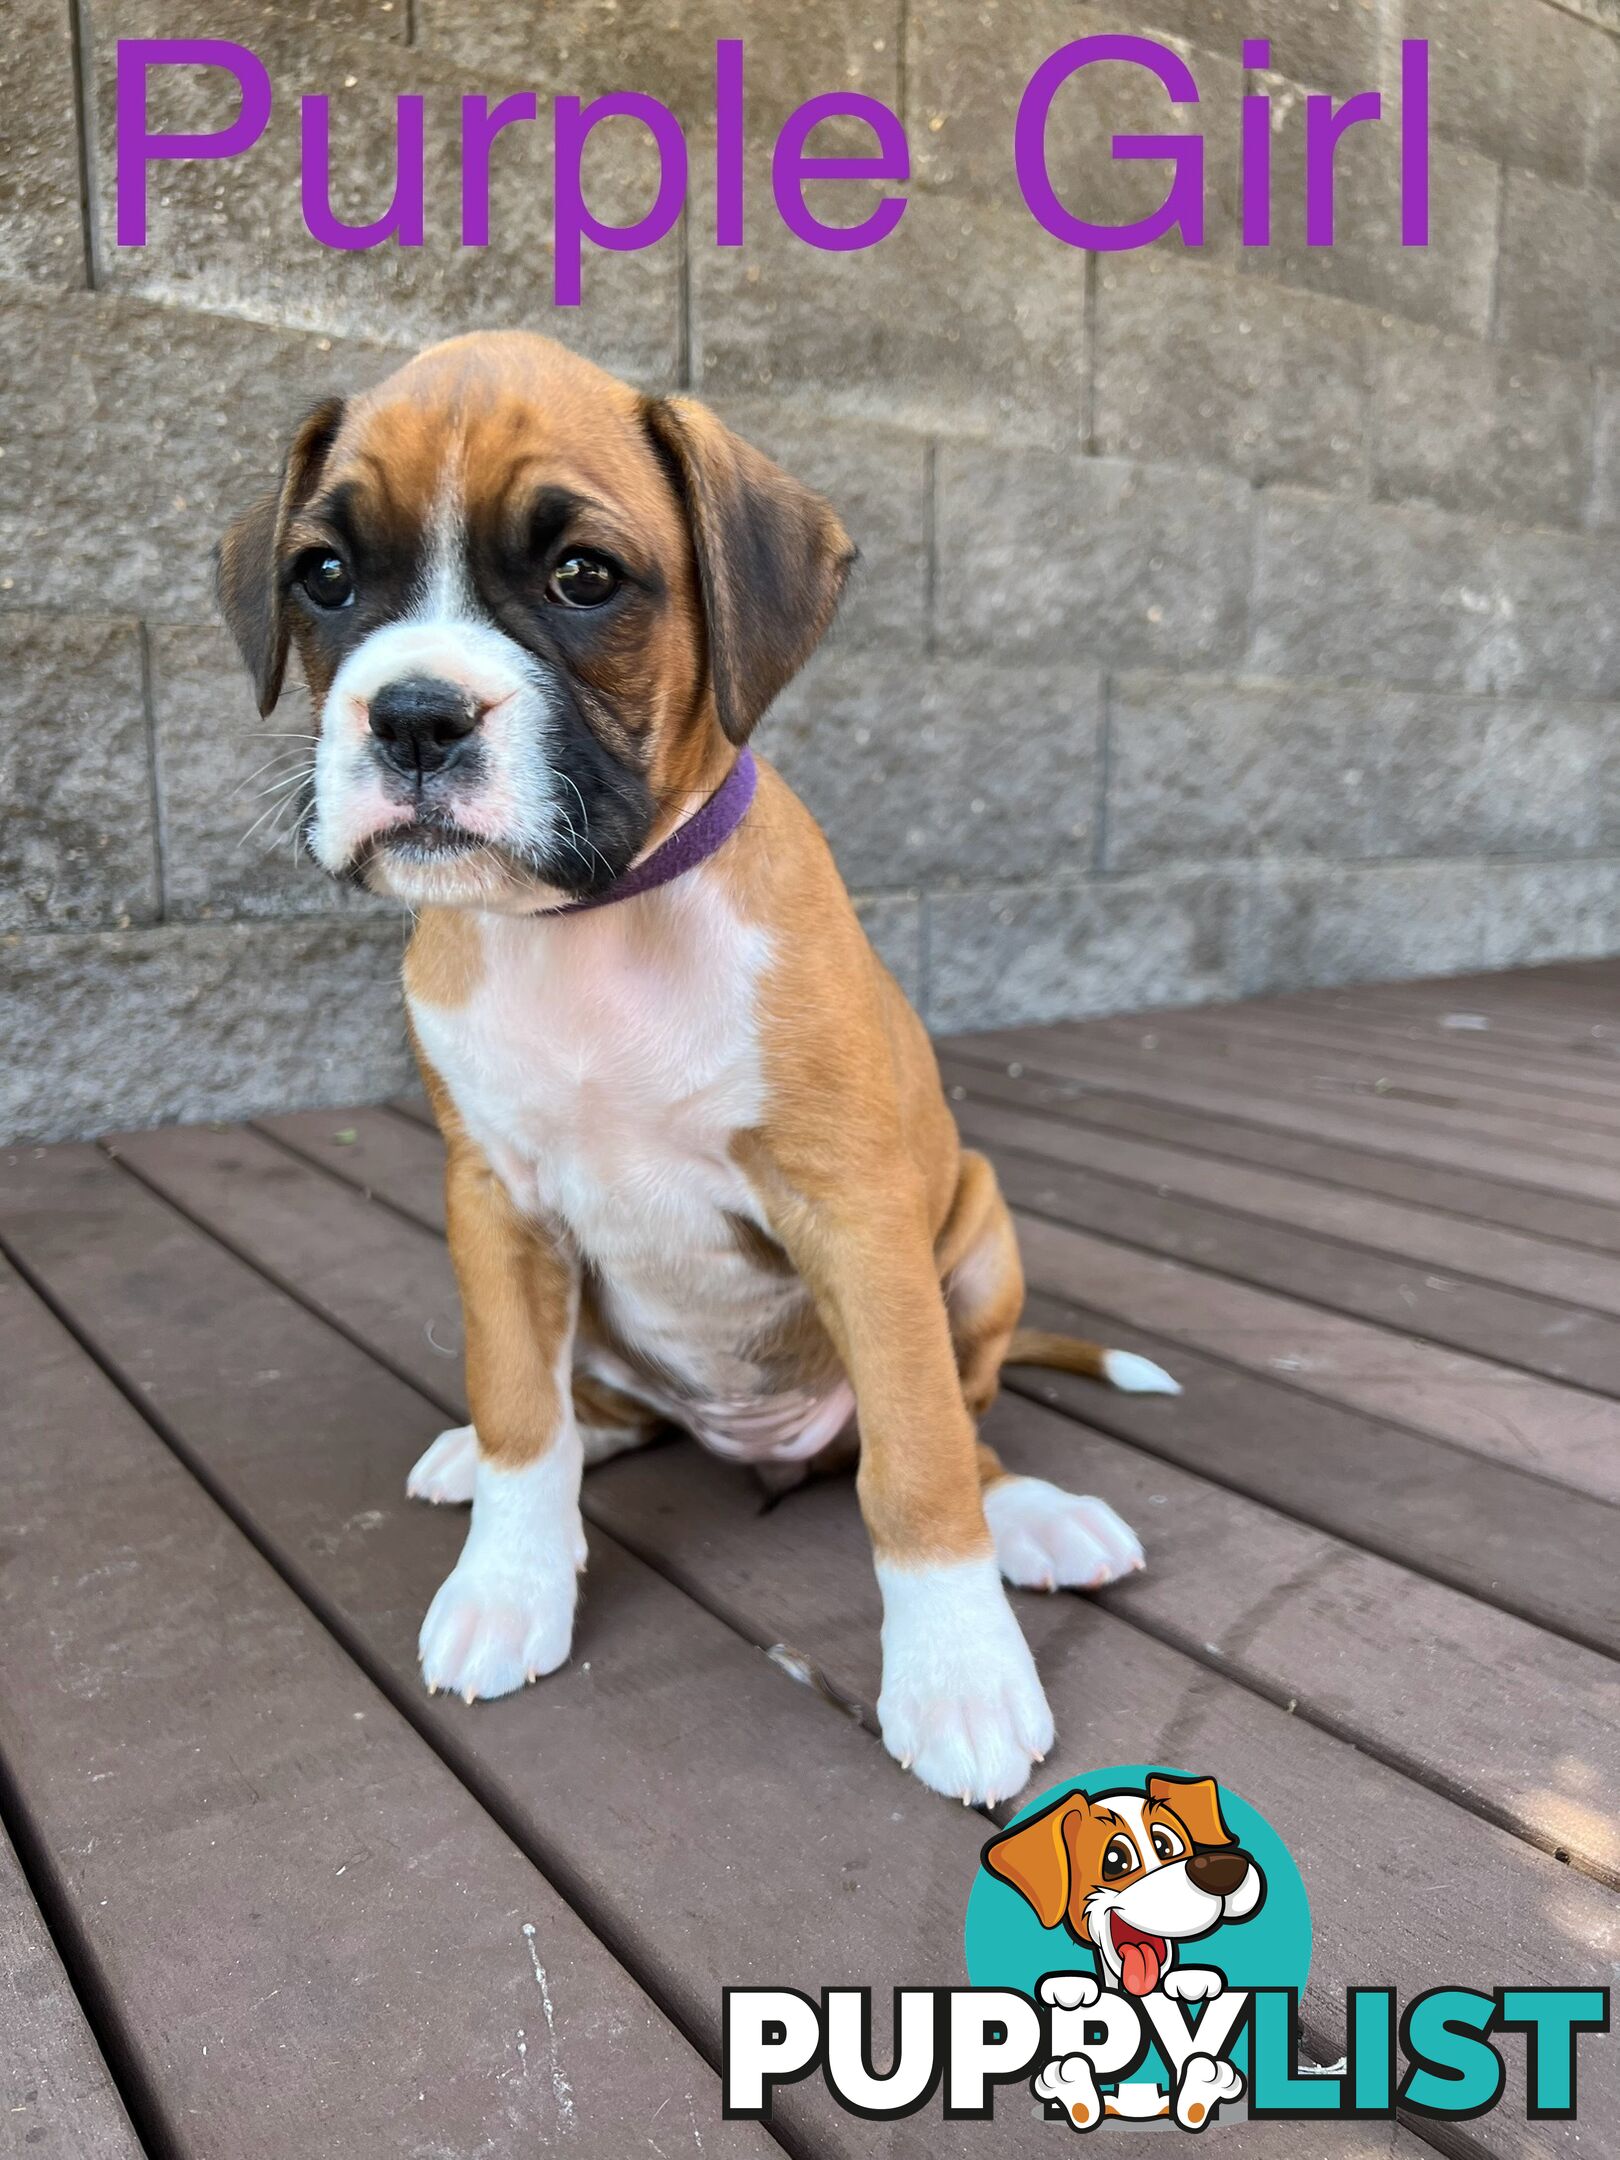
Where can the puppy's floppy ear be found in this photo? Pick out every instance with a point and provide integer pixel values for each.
(245, 565)
(772, 558)
(1037, 1860)
(1197, 1801)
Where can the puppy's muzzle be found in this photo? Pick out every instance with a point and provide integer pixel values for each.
(422, 724)
(1218, 1873)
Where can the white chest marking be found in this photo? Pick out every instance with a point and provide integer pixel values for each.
(605, 1064)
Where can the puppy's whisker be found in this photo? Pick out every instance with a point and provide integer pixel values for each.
(274, 812)
(284, 781)
(586, 818)
(276, 759)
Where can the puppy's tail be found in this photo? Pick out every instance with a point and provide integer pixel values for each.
(1123, 1369)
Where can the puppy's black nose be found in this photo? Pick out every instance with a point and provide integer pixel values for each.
(1218, 1872)
(422, 724)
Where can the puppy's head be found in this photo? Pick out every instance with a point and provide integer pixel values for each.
(532, 609)
(1132, 1874)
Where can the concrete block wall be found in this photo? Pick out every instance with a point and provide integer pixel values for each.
(1229, 619)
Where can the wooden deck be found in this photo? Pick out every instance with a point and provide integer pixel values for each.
(263, 1896)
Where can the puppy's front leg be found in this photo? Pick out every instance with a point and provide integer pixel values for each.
(961, 1704)
(505, 1614)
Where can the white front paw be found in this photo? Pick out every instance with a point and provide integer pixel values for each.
(961, 1703)
(445, 1474)
(1070, 1991)
(1192, 1983)
(488, 1632)
(1049, 1539)
(1073, 2085)
(1204, 2084)
(505, 1614)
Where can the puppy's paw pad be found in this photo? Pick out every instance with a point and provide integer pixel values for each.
(1073, 2085)
(444, 1474)
(1049, 1539)
(1192, 1983)
(486, 1634)
(1204, 2084)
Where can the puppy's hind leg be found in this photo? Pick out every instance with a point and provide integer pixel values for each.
(609, 1424)
(1045, 1538)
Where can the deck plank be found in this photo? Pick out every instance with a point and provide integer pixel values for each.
(1482, 1409)
(679, 1491)
(1425, 1136)
(1525, 1008)
(1351, 1070)
(1473, 1524)
(299, 1914)
(1319, 1625)
(1557, 1348)
(1544, 1268)
(1383, 1480)
(1490, 1529)
(802, 1575)
(1322, 1653)
(1558, 1154)
(663, 1779)
(1471, 1196)
(1478, 1405)
(1564, 990)
(57, 2097)
(1545, 1699)
(1562, 1082)
(396, 1158)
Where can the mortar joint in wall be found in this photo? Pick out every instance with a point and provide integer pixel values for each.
(683, 300)
(1102, 772)
(902, 83)
(1090, 334)
(930, 520)
(154, 778)
(84, 111)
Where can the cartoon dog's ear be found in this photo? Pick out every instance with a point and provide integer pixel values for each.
(1036, 1858)
(245, 567)
(772, 558)
(1197, 1800)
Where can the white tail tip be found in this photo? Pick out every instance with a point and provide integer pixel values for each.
(1134, 1375)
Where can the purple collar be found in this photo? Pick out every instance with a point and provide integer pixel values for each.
(690, 844)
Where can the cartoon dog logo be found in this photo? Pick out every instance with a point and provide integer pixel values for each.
(1134, 1875)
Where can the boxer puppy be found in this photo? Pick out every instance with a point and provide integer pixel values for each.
(700, 1165)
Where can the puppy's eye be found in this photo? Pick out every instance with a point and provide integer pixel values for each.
(1119, 1859)
(1166, 1845)
(583, 580)
(325, 577)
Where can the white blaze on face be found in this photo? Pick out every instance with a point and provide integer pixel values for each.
(446, 634)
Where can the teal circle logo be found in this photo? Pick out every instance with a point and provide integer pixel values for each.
(1128, 1903)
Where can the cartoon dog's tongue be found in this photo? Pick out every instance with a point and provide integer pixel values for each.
(1141, 1957)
